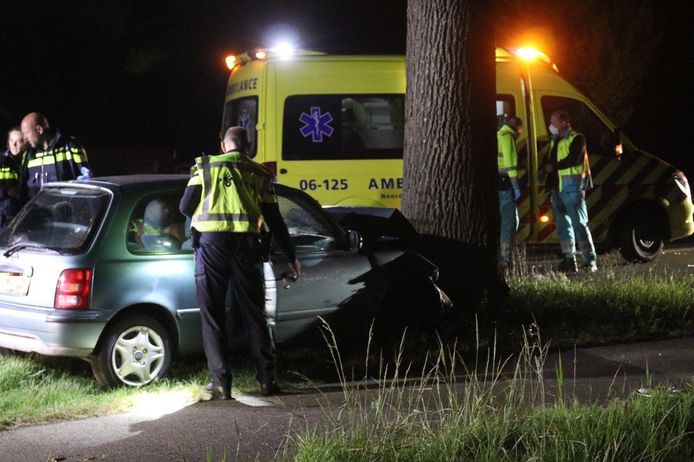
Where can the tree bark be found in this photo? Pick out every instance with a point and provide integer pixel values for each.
(450, 169)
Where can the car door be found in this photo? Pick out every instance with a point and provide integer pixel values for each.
(328, 266)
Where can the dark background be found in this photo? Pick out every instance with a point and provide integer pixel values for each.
(142, 83)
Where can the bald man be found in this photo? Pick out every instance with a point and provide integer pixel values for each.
(57, 156)
(229, 198)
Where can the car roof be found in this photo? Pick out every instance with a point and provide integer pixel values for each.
(135, 180)
(162, 179)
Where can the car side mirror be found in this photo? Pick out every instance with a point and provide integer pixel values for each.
(354, 239)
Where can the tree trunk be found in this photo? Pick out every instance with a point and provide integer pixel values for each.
(450, 169)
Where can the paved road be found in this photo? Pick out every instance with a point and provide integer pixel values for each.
(253, 428)
(677, 258)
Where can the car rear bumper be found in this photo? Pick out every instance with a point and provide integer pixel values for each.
(50, 332)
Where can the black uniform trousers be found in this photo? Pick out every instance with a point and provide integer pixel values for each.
(232, 261)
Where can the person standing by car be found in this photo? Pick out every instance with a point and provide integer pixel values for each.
(229, 198)
(58, 157)
(509, 190)
(568, 178)
(10, 175)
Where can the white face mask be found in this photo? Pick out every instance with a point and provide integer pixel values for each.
(554, 130)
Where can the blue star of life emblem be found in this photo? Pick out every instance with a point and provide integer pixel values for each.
(316, 124)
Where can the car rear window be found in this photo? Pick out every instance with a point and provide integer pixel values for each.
(63, 219)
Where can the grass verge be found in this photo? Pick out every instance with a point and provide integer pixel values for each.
(514, 419)
(606, 308)
(36, 389)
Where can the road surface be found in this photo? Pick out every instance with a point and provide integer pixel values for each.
(677, 258)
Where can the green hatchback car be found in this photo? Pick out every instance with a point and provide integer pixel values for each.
(103, 270)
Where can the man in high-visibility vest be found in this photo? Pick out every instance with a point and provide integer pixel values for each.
(509, 190)
(568, 178)
(229, 199)
(57, 157)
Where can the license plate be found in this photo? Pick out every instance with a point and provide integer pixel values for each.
(14, 283)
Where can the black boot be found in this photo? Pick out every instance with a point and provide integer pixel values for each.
(269, 389)
(217, 392)
(568, 265)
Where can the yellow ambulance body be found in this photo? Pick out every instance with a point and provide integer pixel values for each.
(333, 127)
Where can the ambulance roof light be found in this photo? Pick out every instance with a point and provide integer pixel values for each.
(283, 50)
(260, 54)
(533, 54)
(528, 54)
(230, 61)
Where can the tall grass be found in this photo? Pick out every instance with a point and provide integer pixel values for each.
(494, 417)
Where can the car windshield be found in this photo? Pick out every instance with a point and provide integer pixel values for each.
(60, 219)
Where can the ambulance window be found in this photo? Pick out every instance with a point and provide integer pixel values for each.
(505, 107)
(243, 112)
(583, 120)
(334, 127)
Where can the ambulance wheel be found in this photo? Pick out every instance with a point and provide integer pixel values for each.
(642, 237)
(134, 352)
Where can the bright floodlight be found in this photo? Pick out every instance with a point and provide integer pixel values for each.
(283, 49)
(529, 54)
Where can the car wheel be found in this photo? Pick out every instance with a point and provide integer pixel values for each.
(641, 238)
(134, 352)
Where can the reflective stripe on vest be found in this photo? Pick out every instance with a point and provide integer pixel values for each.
(232, 189)
(577, 172)
(7, 173)
(51, 157)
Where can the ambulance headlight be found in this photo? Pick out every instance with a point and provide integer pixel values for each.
(283, 50)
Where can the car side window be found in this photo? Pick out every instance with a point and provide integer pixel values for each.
(583, 120)
(306, 231)
(156, 226)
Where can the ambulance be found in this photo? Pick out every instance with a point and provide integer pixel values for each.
(333, 126)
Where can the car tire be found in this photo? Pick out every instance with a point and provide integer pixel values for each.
(134, 351)
(641, 237)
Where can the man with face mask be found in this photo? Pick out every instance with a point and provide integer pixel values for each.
(568, 178)
(509, 190)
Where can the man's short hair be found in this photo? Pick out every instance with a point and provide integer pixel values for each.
(514, 122)
(238, 136)
(562, 115)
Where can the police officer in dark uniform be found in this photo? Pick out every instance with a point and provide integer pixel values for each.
(229, 199)
(10, 171)
(57, 157)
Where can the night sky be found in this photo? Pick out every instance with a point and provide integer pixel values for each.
(151, 74)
